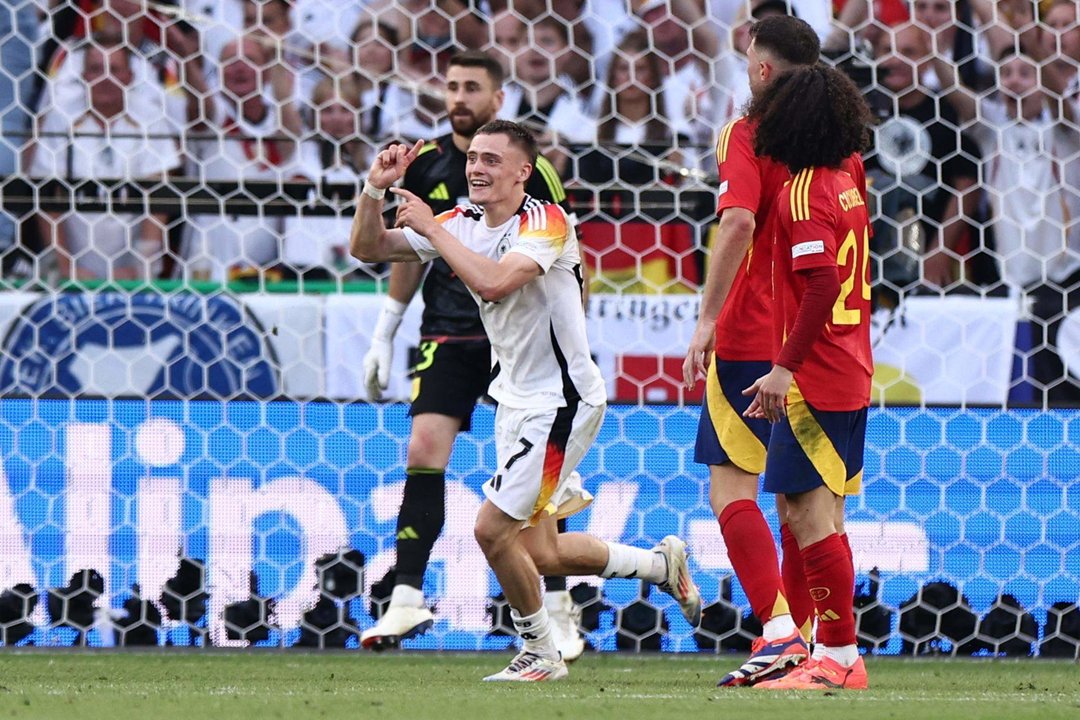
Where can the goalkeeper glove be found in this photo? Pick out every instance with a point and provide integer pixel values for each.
(380, 356)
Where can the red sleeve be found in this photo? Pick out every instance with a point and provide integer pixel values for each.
(822, 289)
(813, 221)
(740, 175)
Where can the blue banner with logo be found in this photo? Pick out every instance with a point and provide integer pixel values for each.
(147, 344)
(257, 493)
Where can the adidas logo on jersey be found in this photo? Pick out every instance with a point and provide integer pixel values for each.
(441, 192)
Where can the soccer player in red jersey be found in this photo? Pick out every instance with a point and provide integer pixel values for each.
(736, 311)
(817, 392)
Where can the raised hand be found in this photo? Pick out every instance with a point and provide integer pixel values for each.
(390, 165)
(413, 213)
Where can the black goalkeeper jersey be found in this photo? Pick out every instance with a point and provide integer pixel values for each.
(437, 176)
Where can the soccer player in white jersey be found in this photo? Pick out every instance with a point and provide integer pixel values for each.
(519, 258)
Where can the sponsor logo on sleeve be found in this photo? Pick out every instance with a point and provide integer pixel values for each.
(812, 247)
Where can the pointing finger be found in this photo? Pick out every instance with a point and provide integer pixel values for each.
(411, 155)
(405, 194)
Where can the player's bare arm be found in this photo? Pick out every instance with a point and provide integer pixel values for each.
(490, 279)
(370, 240)
(733, 237)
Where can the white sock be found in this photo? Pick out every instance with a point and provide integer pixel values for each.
(558, 599)
(778, 627)
(406, 596)
(625, 561)
(535, 632)
(846, 655)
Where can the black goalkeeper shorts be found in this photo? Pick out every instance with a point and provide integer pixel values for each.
(449, 377)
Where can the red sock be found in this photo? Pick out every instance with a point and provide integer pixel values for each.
(832, 586)
(752, 551)
(795, 588)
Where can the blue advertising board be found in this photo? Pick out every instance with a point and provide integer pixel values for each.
(984, 499)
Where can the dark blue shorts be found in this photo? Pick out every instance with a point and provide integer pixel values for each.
(809, 448)
(724, 435)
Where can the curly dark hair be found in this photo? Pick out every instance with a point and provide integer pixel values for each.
(810, 117)
(518, 134)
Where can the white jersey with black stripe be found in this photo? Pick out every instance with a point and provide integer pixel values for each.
(538, 331)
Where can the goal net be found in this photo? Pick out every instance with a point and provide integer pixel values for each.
(188, 455)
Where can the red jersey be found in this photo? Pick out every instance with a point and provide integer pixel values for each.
(751, 183)
(822, 221)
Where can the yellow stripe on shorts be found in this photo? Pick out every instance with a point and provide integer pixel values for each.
(818, 447)
(739, 442)
(853, 486)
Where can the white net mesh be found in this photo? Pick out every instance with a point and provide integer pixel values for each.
(177, 189)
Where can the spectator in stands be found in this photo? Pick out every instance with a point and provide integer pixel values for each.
(258, 123)
(632, 109)
(317, 247)
(325, 27)
(541, 95)
(171, 85)
(631, 115)
(1061, 42)
(109, 143)
(577, 63)
(860, 21)
(921, 163)
(706, 21)
(270, 22)
(1032, 175)
(638, 149)
(311, 36)
(437, 28)
(391, 107)
(270, 18)
(818, 13)
(16, 58)
(510, 38)
(939, 18)
(948, 23)
(273, 23)
(688, 47)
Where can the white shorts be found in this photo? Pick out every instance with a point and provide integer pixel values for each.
(537, 450)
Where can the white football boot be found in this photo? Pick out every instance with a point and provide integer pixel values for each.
(679, 584)
(406, 617)
(530, 667)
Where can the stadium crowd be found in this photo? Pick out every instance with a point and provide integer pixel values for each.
(975, 172)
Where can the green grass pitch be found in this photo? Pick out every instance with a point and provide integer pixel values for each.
(414, 686)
